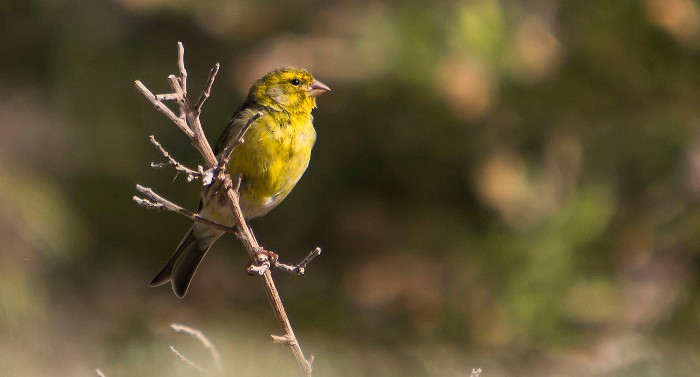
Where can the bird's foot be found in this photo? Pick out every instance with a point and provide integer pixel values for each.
(263, 260)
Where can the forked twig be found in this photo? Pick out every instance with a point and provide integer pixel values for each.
(172, 163)
(160, 106)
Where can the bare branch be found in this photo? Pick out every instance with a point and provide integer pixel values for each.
(202, 339)
(281, 315)
(148, 204)
(199, 140)
(159, 203)
(190, 173)
(179, 122)
(166, 97)
(181, 66)
(300, 268)
(190, 124)
(237, 140)
(180, 96)
(207, 89)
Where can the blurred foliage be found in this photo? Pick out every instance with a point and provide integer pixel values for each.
(511, 185)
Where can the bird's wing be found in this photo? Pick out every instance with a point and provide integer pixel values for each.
(238, 120)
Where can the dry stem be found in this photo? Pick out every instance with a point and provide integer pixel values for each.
(172, 163)
(189, 123)
(202, 339)
(159, 203)
(300, 268)
(185, 360)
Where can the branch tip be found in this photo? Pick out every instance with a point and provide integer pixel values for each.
(181, 66)
(300, 268)
(207, 88)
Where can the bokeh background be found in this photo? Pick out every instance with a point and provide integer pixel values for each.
(506, 185)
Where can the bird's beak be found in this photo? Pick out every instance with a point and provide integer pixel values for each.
(317, 88)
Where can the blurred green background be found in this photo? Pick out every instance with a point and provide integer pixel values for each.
(509, 185)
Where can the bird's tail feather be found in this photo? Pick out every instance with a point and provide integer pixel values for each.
(181, 266)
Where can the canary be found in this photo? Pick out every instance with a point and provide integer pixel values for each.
(271, 160)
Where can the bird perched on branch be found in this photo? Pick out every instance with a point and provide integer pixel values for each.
(271, 161)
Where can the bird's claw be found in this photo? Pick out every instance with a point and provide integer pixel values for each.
(263, 260)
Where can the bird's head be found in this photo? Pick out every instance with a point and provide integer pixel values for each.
(288, 88)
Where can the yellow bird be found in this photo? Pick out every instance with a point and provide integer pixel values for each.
(271, 161)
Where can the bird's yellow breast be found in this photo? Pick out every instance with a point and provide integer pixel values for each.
(275, 154)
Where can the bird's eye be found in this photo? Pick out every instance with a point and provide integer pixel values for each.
(295, 82)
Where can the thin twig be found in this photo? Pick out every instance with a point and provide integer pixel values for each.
(202, 339)
(183, 76)
(181, 66)
(239, 180)
(185, 360)
(148, 204)
(166, 97)
(180, 95)
(281, 315)
(190, 173)
(199, 140)
(207, 88)
(300, 268)
(159, 203)
(237, 140)
(160, 106)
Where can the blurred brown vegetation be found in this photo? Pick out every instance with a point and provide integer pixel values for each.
(510, 185)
